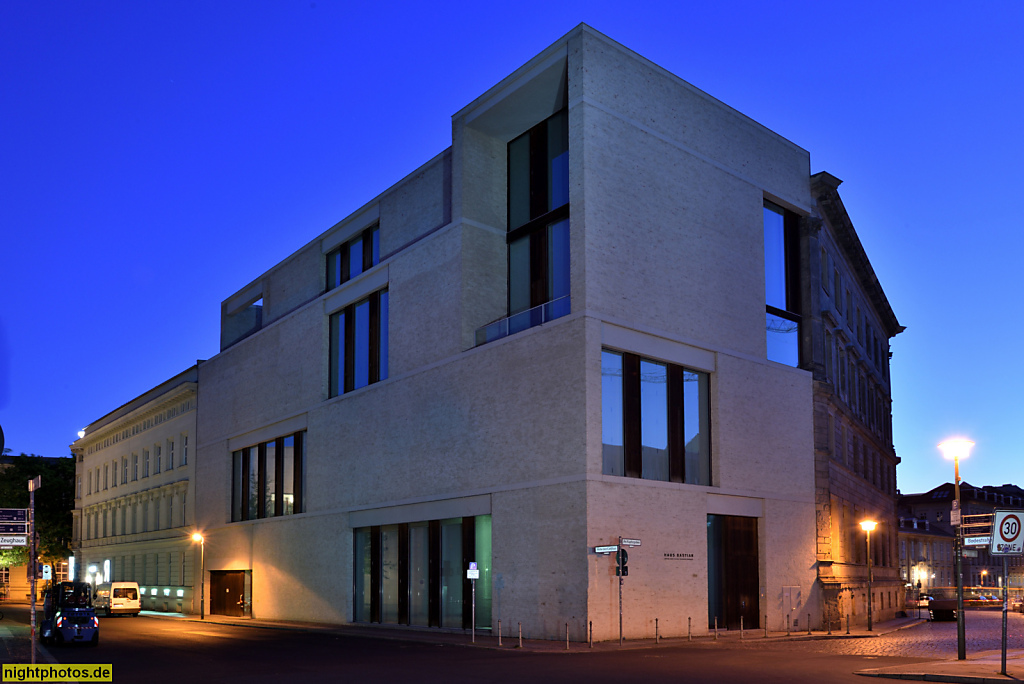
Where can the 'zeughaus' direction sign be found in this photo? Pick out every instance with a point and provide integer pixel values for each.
(8, 540)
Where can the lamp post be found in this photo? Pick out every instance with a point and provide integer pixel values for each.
(983, 573)
(202, 574)
(956, 449)
(867, 526)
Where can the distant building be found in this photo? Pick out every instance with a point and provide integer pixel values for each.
(134, 495)
(931, 510)
(926, 555)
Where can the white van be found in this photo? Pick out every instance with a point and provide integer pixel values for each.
(118, 598)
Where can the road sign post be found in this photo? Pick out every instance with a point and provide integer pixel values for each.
(1007, 540)
(473, 574)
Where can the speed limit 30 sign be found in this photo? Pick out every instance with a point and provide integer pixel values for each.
(1007, 536)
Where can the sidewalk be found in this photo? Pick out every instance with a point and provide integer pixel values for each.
(978, 668)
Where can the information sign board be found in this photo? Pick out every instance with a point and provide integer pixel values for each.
(14, 515)
(1007, 539)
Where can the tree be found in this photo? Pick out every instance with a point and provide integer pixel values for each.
(55, 501)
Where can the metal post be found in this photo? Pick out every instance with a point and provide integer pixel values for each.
(499, 632)
(566, 636)
(620, 590)
(766, 625)
(716, 628)
(828, 618)
(867, 542)
(472, 626)
(591, 634)
(655, 631)
(689, 629)
(808, 624)
(847, 623)
(520, 635)
(958, 544)
(787, 624)
(741, 627)
(32, 562)
(202, 579)
(1006, 581)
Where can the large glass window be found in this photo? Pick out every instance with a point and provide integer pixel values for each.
(655, 420)
(267, 479)
(353, 257)
(538, 222)
(359, 344)
(415, 573)
(781, 284)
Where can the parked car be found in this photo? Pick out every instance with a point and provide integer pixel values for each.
(1017, 604)
(118, 598)
(68, 615)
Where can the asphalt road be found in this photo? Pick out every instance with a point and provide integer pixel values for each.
(155, 650)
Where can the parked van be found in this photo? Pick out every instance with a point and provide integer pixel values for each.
(117, 598)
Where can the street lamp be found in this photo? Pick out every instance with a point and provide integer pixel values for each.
(202, 574)
(983, 573)
(867, 526)
(956, 449)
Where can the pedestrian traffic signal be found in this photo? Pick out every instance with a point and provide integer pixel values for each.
(621, 558)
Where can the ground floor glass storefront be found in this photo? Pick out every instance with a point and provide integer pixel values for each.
(415, 573)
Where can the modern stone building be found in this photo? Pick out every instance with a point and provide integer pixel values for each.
(134, 496)
(597, 315)
(846, 347)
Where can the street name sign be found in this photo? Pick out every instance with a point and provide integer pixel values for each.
(977, 541)
(1007, 539)
(13, 540)
(630, 542)
(606, 549)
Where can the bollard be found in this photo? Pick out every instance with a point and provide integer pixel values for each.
(808, 624)
(787, 624)
(566, 636)
(655, 631)
(499, 632)
(591, 634)
(847, 623)
(716, 628)
(689, 629)
(829, 618)
(766, 625)
(520, 635)
(741, 627)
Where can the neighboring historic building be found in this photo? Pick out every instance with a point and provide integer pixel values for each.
(926, 556)
(134, 496)
(847, 348)
(931, 510)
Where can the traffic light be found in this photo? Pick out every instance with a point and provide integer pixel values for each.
(621, 558)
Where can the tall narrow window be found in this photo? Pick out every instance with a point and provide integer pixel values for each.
(538, 224)
(782, 305)
(359, 344)
(655, 420)
(354, 257)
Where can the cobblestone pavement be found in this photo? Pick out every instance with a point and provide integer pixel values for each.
(983, 631)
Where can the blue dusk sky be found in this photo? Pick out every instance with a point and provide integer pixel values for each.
(157, 156)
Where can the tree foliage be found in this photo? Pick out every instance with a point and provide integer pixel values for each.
(55, 500)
